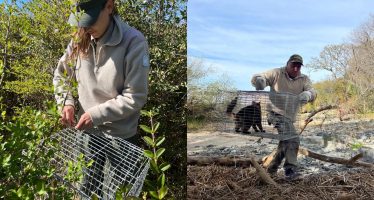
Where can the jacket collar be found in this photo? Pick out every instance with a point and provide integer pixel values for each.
(113, 35)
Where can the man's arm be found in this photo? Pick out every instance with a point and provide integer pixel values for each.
(260, 81)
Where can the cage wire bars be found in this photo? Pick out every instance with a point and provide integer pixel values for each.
(109, 163)
(258, 113)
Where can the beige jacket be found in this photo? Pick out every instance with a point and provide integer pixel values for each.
(112, 80)
(284, 91)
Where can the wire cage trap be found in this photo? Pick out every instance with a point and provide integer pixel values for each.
(259, 113)
(100, 164)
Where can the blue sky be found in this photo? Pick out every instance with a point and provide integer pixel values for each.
(244, 37)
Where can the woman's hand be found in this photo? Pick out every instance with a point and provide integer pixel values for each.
(85, 122)
(67, 117)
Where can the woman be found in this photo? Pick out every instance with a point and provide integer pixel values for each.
(112, 64)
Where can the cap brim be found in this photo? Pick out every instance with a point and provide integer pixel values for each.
(296, 61)
(86, 18)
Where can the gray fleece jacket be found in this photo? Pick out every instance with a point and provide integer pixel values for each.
(112, 79)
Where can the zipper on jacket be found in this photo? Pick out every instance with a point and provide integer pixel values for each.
(93, 45)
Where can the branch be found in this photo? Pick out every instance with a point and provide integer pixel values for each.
(267, 159)
(309, 118)
(351, 162)
(223, 161)
(321, 109)
(230, 161)
(262, 173)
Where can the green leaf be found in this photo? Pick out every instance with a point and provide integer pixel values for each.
(119, 195)
(159, 152)
(89, 164)
(144, 113)
(6, 160)
(21, 191)
(161, 180)
(146, 129)
(154, 166)
(164, 166)
(149, 141)
(94, 197)
(40, 187)
(149, 154)
(156, 127)
(162, 192)
(154, 194)
(160, 141)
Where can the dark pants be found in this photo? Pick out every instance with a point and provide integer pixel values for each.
(286, 149)
(101, 149)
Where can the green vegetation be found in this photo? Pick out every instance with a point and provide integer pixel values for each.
(34, 36)
(204, 95)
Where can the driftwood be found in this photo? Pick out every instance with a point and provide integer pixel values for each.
(230, 161)
(267, 159)
(222, 161)
(352, 162)
(262, 173)
(247, 162)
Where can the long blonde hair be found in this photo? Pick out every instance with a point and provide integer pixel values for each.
(81, 43)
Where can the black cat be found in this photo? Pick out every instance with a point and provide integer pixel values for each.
(247, 117)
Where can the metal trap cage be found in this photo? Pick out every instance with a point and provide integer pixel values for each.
(99, 164)
(260, 113)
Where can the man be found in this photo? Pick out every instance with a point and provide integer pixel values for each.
(111, 68)
(288, 89)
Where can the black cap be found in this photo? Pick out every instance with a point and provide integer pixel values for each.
(87, 12)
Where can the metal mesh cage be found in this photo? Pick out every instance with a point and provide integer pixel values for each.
(99, 163)
(259, 113)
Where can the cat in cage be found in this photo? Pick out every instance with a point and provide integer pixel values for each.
(247, 117)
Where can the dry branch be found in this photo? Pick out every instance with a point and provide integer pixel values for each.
(262, 173)
(230, 161)
(352, 162)
(355, 158)
(320, 110)
(267, 159)
(309, 118)
(247, 162)
(222, 161)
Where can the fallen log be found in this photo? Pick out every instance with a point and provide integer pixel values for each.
(232, 161)
(222, 161)
(246, 162)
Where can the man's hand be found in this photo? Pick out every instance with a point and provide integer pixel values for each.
(67, 117)
(305, 97)
(260, 83)
(85, 122)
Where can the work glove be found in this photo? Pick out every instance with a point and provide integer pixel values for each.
(305, 97)
(260, 83)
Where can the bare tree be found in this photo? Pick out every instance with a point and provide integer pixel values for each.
(333, 58)
(361, 72)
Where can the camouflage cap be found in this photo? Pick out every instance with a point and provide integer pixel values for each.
(296, 58)
(87, 12)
